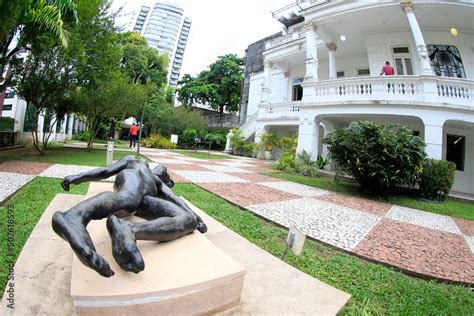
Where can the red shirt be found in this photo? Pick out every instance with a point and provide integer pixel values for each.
(388, 70)
(134, 130)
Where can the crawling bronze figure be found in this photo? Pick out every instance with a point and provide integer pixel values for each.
(138, 190)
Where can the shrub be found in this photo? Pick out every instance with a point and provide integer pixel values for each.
(437, 179)
(237, 141)
(305, 165)
(250, 149)
(322, 162)
(158, 141)
(84, 136)
(285, 163)
(268, 141)
(378, 157)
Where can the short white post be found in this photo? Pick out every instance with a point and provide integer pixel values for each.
(228, 146)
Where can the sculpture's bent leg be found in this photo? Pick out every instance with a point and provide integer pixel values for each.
(71, 225)
(170, 222)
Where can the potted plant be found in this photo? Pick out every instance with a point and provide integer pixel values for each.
(268, 141)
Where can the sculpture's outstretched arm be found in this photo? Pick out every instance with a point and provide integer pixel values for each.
(97, 174)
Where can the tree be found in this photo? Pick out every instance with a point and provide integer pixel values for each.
(142, 63)
(159, 111)
(45, 81)
(26, 21)
(219, 87)
(113, 97)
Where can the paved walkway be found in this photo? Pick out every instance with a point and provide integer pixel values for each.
(419, 242)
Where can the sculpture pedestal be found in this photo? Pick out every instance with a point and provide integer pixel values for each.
(189, 275)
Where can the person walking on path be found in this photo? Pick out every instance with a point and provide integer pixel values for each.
(133, 134)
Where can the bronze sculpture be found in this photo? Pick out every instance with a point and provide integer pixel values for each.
(138, 190)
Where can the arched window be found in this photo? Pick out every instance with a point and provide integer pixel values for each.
(446, 61)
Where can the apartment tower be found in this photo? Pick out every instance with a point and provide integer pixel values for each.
(166, 29)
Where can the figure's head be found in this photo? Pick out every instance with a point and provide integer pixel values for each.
(387, 63)
(162, 173)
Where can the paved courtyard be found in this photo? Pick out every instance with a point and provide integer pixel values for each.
(419, 242)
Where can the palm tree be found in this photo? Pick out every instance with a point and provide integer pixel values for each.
(23, 21)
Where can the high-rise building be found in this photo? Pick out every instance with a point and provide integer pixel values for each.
(166, 29)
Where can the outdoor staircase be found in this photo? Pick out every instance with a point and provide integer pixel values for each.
(249, 127)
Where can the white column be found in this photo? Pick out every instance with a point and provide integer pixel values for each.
(328, 128)
(76, 123)
(311, 76)
(407, 6)
(71, 124)
(332, 60)
(53, 128)
(308, 136)
(267, 78)
(434, 141)
(40, 124)
(63, 124)
(311, 52)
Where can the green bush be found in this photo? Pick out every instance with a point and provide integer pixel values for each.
(437, 179)
(285, 163)
(379, 157)
(7, 124)
(84, 136)
(158, 141)
(305, 165)
(237, 141)
(250, 149)
(322, 162)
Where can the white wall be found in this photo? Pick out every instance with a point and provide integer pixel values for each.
(255, 93)
(278, 87)
(380, 50)
(464, 180)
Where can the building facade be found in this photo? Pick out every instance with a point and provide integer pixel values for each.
(324, 72)
(166, 29)
(62, 130)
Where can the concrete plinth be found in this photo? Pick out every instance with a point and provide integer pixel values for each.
(188, 275)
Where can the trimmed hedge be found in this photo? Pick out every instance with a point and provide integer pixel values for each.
(158, 141)
(437, 179)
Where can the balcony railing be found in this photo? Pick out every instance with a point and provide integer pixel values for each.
(387, 89)
(396, 88)
(284, 39)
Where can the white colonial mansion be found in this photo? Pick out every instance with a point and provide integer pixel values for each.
(324, 72)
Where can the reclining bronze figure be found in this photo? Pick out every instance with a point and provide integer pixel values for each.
(138, 191)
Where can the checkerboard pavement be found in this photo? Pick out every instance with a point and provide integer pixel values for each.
(418, 242)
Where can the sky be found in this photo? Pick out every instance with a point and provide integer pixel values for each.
(218, 27)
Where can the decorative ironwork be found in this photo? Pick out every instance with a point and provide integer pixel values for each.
(446, 61)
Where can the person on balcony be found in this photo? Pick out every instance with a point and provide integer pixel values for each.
(388, 71)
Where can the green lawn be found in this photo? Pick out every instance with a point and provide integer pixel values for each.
(375, 289)
(203, 155)
(63, 155)
(451, 208)
(28, 205)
